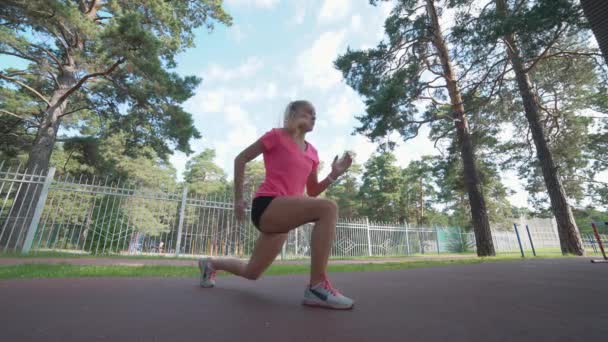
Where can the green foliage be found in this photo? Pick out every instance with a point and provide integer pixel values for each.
(116, 57)
(254, 176)
(112, 158)
(345, 192)
(418, 192)
(389, 76)
(380, 190)
(455, 242)
(203, 176)
(28, 270)
(585, 216)
(566, 74)
(566, 88)
(107, 228)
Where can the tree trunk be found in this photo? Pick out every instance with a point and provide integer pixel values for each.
(597, 12)
(421, 201)
(22, 212)
(569, 235)
(479, 214)
(42, 148)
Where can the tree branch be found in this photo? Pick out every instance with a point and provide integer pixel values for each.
(573, 53)
(475, 63)
(20, 56)
(590, 180)
(73, 111)
(432, 99)
(429, 67)
(16, 73)
(32, 90)
(92, 11)
(54, 78)
(487, 74)
(547, 48)
(61, 39)
(443, 135)
(15, 115)
(51, 55)
(85, 78)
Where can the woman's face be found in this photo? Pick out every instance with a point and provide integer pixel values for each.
(304, 117)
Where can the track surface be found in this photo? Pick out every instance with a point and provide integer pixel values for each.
(535, 300)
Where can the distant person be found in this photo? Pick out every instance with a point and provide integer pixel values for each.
(280, 205)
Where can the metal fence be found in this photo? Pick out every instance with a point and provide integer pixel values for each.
(41, 212)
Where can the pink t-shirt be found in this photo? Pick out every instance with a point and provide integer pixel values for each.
(287, 166)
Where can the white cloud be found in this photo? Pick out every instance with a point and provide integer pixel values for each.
(236, 33)
(334, 10)
(214, 101)
(268, 92)
(235, 114)
(219, 73)
(206, 101)
(343, 107)
(327, 154)
(315, 64)
(241, 133)
(254, 3)
(300, 13)
(355, 23)
(385, 11)
(322, 123)
(414, 149)
(366, 27)
(363, 147)
(512, 181)
(179, 160)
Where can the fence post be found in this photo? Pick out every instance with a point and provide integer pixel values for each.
(437, 238)
(461, 240)
(31, 232)
(182, 210)
(531, 242)
(369, 237)
(592, 242)
(519, 240)
(599, 240)
(283, 250)
(296, 242)
(407, 238)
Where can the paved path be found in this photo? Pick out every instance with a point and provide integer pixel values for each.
(5, 261)
(533, 300)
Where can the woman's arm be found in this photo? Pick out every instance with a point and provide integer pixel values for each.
(240, 161)
(314, 188)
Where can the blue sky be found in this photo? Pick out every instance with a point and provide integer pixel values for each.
(282, 50)
(278, 51)
(275, 52)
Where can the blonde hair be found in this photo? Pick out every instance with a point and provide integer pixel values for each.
(291, 108)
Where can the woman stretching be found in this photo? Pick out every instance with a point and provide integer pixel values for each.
(280, 205)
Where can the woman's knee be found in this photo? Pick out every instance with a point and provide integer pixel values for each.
(328, 207)
(251, 275)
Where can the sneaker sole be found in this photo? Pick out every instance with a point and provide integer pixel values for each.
(322, 305)
(201, 267)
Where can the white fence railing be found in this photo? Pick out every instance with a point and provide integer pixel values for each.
(41, 212)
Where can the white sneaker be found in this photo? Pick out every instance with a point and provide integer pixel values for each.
(325, 295)
(207, 273)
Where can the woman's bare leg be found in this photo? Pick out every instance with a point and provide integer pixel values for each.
(286, 213)
(266, 249)
(282, 215)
